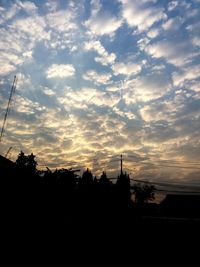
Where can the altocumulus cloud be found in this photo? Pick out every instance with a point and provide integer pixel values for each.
(60, 71)
(100, 78)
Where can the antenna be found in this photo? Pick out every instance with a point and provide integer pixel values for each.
(8, 106)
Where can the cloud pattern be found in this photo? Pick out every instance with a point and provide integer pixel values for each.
(101, 78)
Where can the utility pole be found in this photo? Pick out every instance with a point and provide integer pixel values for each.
(121, 165)
(8, 106)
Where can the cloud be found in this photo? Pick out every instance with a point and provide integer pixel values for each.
(174, 121)
(85, 97)
(175, 52)
(158, 111)
(140, 15)
(48, 91)
(102, 23)
(28, 6)
(27, 106)
(104, 57)
(173, 24)
(196, 41)
(126, 95)
(61, 21)
(51, 5)
(37, 26)
(146, 88)
(126, 69)
(188, 74)
(172, 5)
(97, 78)
(12, 11)
(18, 41)
(6, 68)
(7, 14)
(153, 33)
(60, 71)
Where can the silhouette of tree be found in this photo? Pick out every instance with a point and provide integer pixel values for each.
(87, 178)
(143, 193)
(123, 190)
(104, 179)
(27, 162)
(66, 178)
(123, 182)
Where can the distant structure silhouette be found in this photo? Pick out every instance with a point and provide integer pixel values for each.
(13, 88)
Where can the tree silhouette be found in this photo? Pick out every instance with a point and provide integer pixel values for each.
(104, 179)
(87, 178)
(123, 182)
(143, 193)
(123, 189)
(28, 162)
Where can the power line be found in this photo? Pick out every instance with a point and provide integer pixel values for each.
(166, 183)
(163, 165)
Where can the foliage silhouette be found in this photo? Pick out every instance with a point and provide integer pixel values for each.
(28, 162)
(144, 193)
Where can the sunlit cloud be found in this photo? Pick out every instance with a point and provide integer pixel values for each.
(126, 69)
(98, 79)
(141, 15)
(102, 23)
(60, 71)
(186, 75)
(104, 57)
(176, 53)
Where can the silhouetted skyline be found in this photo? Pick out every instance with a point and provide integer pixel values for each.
(97, 79)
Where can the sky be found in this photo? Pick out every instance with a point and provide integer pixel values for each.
(101, 78)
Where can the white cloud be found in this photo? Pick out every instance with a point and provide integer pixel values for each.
(102, 23)
(152, 87)
(194, 28)
(173, 24)
(10, 57)
(27, 106)
(146, 88)
(97, 78)
(7, 14)
(175, 52)
(6, 68)
(172, 5)
(126, 69)
(86, 96)
(186, 75)
(51, 5)
(143, 42)
(139, 14)
(28, 6)
(109, 59)
(153, 33)
(95, 7)
(31, 28)
(48, 91)
(10, 41)
(60, 71)
(105, 58)
(61, 21)
(196, 41)
(159, 111)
